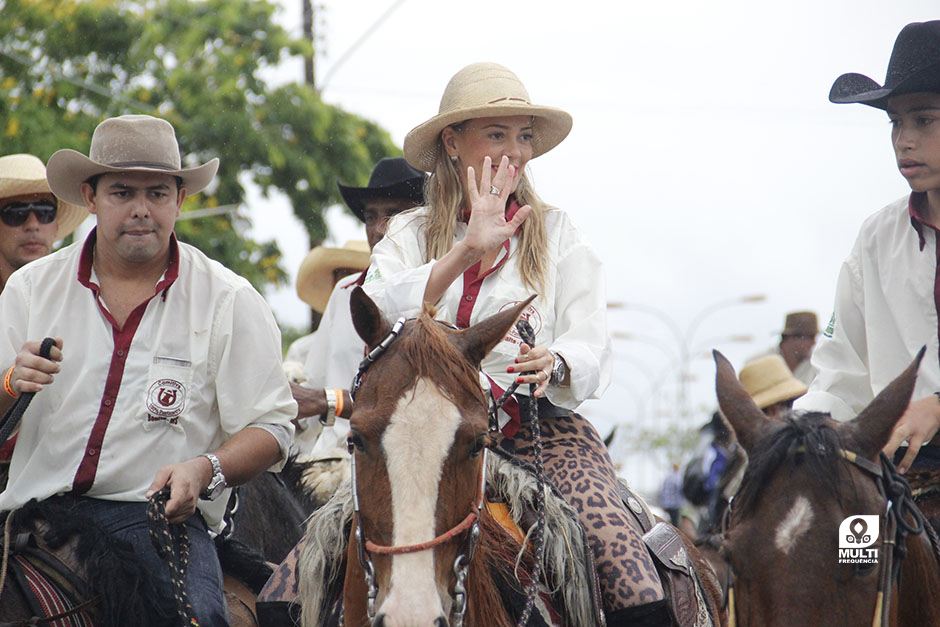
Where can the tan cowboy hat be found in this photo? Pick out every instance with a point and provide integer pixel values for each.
(315, 275)
(484, 90)
(25, 174)
(130, 143)
(769, 381)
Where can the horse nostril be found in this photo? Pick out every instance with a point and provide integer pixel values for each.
(440, 622)
(379, 621)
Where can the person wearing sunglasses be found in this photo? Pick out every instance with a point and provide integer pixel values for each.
(31, 217)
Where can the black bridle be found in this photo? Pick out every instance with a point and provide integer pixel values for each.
(471, 523)
(899, 505)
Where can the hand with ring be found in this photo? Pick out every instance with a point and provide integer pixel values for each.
(536, 363)
(487, 227)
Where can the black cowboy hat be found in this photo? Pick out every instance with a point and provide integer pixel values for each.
(914, 67)
(391, 178)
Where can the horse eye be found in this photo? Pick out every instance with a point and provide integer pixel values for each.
(354, 441)
(860, 570)
(477, 446)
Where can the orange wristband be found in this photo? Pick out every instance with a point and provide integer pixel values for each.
(339, 401)
(6, 383)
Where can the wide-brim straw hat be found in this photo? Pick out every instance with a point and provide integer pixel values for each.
(315, 275)
(25, 174)
(129, 143)
(914, 67)
(769, 381)
(485, 90)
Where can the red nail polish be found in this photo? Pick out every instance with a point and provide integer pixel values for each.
(519, 380)
(509, 369)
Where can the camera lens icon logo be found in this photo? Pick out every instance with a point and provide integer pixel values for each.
(858, 532)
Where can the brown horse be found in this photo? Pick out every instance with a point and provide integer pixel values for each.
(422, 547)
(810, 486)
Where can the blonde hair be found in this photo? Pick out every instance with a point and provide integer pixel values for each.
(444, 197)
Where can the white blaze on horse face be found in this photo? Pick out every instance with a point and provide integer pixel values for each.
(797, 522)
(416, 442)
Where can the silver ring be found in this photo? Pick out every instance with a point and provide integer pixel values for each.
(494, 190)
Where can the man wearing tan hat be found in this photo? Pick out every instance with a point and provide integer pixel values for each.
(771, 384)
(31, 217)
(166, 369)
(796, 344)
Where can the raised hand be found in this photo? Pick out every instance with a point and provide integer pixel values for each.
(488, 228)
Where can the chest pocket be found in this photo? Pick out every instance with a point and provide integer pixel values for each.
(169, 386)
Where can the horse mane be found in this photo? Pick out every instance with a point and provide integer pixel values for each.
(804, 437)
(432, 356)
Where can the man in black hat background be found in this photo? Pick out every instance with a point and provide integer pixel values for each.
(887, 301)
(334, 349)
(796, 344)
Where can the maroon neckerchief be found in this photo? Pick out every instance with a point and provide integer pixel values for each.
(472, 281)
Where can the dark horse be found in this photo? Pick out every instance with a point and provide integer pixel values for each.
(810, 485)
(92, 569)
(423, 548)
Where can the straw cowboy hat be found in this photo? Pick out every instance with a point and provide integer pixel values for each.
(391, 178)
(130, 143)
(315, 276)
(914, 67)
(25, 174)
(769, 381)
(801, 323)
(484, 90)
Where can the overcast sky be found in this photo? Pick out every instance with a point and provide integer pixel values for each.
(705, 163)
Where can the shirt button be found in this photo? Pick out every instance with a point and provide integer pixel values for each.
(107, 402)
(120, 353)
(92, 452)
(468, 298)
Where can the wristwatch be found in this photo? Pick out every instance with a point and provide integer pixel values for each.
(559, 370)
(217, 483)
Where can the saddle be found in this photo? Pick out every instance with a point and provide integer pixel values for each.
(681, 584)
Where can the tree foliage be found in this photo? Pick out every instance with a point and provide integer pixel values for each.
(204, 66)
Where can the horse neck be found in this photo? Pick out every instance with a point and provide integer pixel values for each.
(917, 599)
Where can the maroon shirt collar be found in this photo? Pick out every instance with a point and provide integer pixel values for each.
(88, 256)
(917, 209)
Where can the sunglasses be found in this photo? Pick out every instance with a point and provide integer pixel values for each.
(17, 213)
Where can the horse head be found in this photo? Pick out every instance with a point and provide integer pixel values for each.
(810, 479)
(418, 429)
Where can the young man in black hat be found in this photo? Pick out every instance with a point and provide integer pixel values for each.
(888, 296)
(333, 357)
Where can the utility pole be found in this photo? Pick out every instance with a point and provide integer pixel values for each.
(309, 74)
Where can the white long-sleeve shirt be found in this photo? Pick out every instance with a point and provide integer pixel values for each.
(570, 318)
(885, 311)
(197, 363)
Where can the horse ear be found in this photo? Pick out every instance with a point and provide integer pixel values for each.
(369, 322)
(480, 339)
(873, 426)
(737, 406)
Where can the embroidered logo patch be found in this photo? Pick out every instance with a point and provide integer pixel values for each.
(831, 327)
(530, 315)
(165, 400)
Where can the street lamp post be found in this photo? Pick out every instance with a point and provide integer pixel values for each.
(683, 339)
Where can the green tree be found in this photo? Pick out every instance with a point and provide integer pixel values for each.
(65, 65)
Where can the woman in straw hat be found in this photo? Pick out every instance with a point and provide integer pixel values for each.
(485, 241)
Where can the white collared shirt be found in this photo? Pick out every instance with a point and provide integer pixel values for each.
(884, 313)
(570, 317)
(198, 363)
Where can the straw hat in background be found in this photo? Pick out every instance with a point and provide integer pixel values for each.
(315, 277)
(769, 381)
(484, 90)
(25, 174)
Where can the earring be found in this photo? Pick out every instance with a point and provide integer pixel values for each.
(453, 158)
